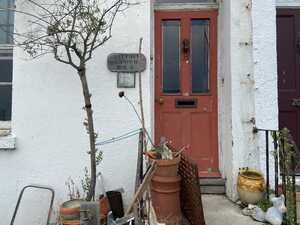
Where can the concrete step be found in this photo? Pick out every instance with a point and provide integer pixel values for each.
(212, 186)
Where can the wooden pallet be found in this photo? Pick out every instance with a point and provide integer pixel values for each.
(190, 195)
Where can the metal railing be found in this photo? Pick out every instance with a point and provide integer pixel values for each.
(276, 157)
(284, 164)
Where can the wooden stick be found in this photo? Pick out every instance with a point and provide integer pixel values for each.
(180, 151)
(141, 97)
(143, 186)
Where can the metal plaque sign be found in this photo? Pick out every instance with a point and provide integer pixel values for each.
(126, 80)
(126, 63)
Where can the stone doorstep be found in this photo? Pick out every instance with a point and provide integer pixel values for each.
(212, 185)
(212, 181)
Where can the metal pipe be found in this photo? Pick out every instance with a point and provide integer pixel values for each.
(255, 129)
(276, 163)
(21, 195)
(267, 164)
(282, 159)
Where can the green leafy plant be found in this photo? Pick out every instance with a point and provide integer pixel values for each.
(162, 151)
(264, 204)
(286, 156)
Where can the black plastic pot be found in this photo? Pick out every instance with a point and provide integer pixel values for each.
(116, 203)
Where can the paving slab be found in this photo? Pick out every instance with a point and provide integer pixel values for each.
(219, 210)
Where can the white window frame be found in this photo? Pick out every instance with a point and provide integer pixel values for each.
(7, 140)
(288, 3)
(185, 6)
(6, 125)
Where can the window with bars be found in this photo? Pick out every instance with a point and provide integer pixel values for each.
(6, 58)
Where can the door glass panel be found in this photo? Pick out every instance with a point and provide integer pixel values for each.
(6, 70)
(200, 56)
(171, 56)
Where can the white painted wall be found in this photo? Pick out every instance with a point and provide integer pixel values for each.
(48, 116)
(265, 73)
(248, 84)
(243, 140)
(265, 64)
(224, 93)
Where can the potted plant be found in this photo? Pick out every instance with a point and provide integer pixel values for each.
(69, 211)
(167, 160)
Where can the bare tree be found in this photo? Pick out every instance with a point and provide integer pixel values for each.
(71, 30)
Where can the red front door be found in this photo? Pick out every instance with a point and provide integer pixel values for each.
(186, 85)
(288, 51)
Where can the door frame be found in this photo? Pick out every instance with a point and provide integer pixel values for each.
(212, 15)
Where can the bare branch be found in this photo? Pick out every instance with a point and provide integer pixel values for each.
(43, 8)
(25, 13)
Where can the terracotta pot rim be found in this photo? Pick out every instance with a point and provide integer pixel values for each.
(168, 162)
(174, 190)
(67, 204)
(161, 179)
(258, 175)
(69, 211)
(71, 222)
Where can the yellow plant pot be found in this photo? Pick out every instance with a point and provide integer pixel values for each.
(250, 186)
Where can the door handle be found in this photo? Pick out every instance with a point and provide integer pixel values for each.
(296, 102)
(160, 100)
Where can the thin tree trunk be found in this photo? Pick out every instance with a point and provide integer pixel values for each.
(141, 98)
(91, 132)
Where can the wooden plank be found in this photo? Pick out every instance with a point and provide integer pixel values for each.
(139, 169)
(138, 179)
(139, 193)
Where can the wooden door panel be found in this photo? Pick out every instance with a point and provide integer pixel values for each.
(172, 124)
(200, 135)
(290, 120)
(186, 85)
(288, 55)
